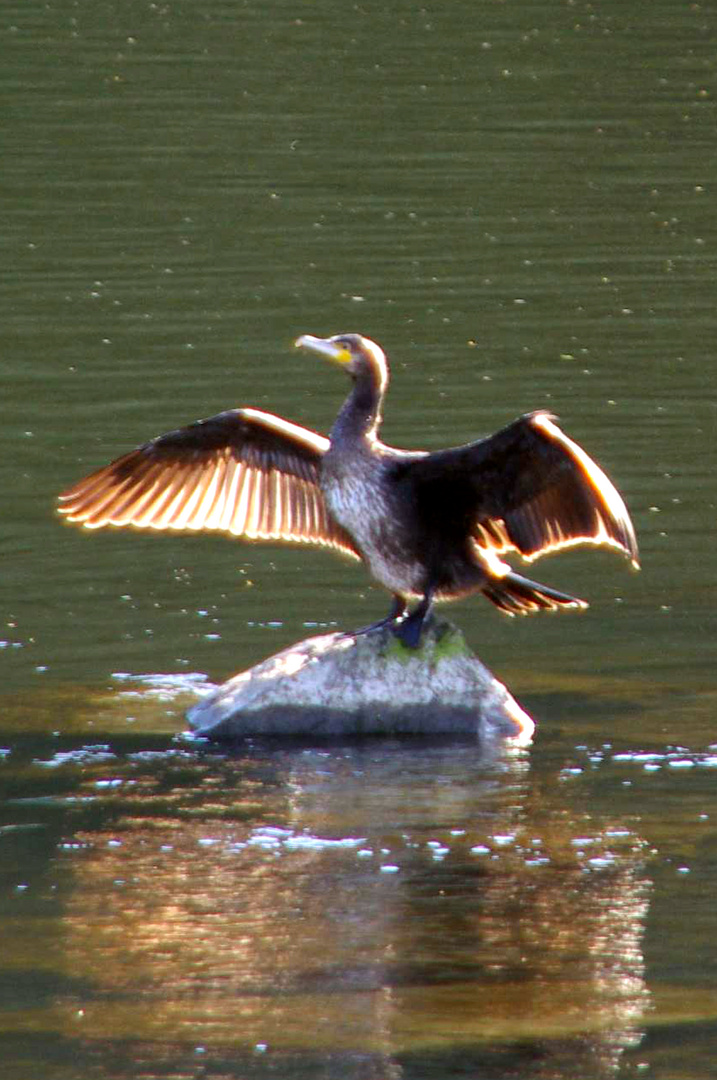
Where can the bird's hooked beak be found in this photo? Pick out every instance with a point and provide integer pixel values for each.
(329, 348)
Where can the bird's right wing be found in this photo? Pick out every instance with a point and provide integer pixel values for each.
(245, 472)
(530, 489)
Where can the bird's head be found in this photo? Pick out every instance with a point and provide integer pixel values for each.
(357, 355)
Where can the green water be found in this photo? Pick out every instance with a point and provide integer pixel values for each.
(517, 201)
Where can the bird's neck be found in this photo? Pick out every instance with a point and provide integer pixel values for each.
(360, 415)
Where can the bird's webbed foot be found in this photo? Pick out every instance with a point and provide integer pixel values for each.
(398, 609)
(409, 630)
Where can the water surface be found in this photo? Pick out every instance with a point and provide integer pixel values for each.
(517, 202)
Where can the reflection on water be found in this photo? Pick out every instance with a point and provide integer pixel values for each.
(352, 906)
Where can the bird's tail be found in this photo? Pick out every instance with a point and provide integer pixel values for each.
(517, 595)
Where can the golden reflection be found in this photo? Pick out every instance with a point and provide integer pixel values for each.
(381, 899)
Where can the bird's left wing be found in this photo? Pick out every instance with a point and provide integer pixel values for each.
(244, 472)
(531, 489)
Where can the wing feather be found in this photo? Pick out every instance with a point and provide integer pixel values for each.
(530, 489)
(576, 503)
(245, 472)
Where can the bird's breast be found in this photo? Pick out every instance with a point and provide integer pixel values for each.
(359, 497)
(356, 497)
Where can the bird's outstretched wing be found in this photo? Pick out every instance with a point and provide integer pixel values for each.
(531, 489)
(244, 472)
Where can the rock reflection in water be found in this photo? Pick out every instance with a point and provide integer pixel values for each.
(372, 903)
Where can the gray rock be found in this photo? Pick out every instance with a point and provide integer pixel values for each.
(370, 684)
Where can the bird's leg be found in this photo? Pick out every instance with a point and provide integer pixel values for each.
(398, 608)
(408, 631)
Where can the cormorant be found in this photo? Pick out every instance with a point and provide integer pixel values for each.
(429, 526)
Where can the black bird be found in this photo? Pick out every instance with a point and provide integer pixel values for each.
(429, 526)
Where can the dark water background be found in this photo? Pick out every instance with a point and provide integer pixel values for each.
(518, 201)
